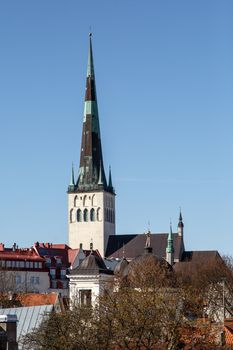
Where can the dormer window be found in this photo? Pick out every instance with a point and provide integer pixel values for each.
(47, 262)
(58, 261)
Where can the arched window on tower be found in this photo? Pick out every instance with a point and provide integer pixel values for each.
(85, 215)
(93, 200)
(92, 215)
(98, 214)
(110, 215)
(71, 215)
(85, 201)
(75, 201)
(79, 215)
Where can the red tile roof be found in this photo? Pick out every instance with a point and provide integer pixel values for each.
(36, 299)
(20, 254)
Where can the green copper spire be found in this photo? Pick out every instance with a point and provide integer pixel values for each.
(72, 182)
(110, 186)
(170, 247)
(91, 168)
(100, 180)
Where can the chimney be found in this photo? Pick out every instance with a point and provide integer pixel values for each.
(8, 326)
(1, 247)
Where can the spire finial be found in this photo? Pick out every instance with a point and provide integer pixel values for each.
(180, 217)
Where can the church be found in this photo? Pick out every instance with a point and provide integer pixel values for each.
(91, 197)
(92, 216)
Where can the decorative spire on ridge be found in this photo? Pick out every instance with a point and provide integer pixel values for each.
(180, 225)
(170, 247)
(110, 186)
(91, 168)
(72, 182)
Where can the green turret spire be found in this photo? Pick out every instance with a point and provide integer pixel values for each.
(91, 168)
(72, 182)
(110, 186)
(170, 247)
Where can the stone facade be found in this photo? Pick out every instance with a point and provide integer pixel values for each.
(91, 219)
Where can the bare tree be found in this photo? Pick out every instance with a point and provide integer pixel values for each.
(147, 307)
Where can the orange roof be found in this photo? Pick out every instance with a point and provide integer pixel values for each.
(72, 253)
(20, 254)
(36, 299)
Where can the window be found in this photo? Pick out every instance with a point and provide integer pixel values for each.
(40, 265)
(54, 284)
(75, 201)
(37, 280)
(8, 263)
(58, 261)
(85, 215)
(32, 279)
(93, 201)
(2, 263)
(92, 215)
(18, 279)
(98, 214)
(63, 274)
(17, 263)
(31, 264)
(21, 264)
(79, 215)
(71, 215)
(85, 201)
(27, 264)
(36, 264)
(85, 297)
(52, 273)
(13, 263)
(47, 262)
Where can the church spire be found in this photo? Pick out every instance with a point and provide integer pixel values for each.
(170, 247)
(110, 186)
(72, 182)
(180, 225)
(91, 166)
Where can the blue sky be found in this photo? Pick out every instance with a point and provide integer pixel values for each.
(165, 90)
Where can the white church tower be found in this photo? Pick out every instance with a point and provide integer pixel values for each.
(91, 200)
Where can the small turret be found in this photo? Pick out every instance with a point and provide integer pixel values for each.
(170, 247)
(72, 182)
(180, 228)
(110, 186)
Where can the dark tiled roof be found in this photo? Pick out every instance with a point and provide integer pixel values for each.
(191, 259)
(91, 265)
(135, 246)
(55, 250)
(115, 242)
(120, 267)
